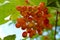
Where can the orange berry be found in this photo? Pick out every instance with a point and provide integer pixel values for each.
(18, 25)
(49, 26)
(27, 1)
(29, 8)
(30, 35)
(34, 32)
(31, 24)
(24, 26)
(18, 8)
(21, 20)
(42, 4)
(31, 15)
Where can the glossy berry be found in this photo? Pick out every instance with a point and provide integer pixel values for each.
(18, 8)
(42, 4)
(24, 34)
(46, 21)
(29, 30)
(23, 27)
(31, 35)
(21, 20)
(18, 25)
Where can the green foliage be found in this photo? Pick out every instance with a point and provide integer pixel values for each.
(59, 21)
(0, 39)
(51, 34)
(58, 39)
(10, 37)
(1, 1)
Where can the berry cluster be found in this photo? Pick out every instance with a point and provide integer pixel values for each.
(34, 20)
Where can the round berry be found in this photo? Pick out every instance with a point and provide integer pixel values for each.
(18, 25)
(18, 8)
(24, 34)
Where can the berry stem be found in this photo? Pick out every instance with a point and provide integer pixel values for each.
(56, 25)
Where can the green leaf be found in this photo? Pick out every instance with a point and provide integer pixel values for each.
(36, 2)
(14, 16)
(10, 37)
(51, 3)
(58, 39)
(2, 21)
(51, 34)
(0, 39)
(1, 1)
(42, 37)
(52, 11)
(59, 1)
(35, 36)
(6, 10)
(59, 21)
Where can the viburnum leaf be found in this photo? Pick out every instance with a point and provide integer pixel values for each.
(36, 2)
(9, 9)
(1, 1)
(10, 37)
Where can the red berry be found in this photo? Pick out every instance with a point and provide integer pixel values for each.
(24, 34)
(45, 10)
(29, 30)
(40, 32)
(46, 21)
